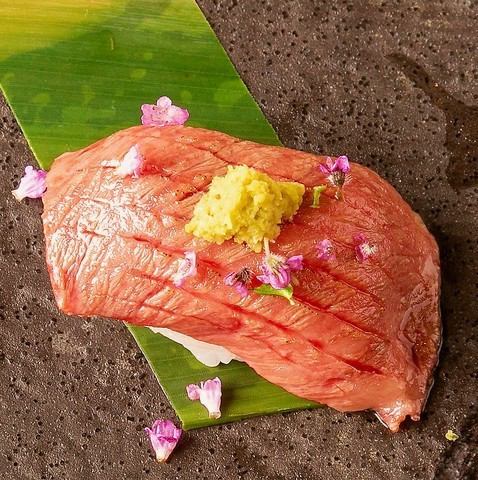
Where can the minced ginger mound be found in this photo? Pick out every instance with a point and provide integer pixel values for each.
(246, 205)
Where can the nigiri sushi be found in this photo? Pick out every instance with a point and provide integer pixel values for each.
(363, 330)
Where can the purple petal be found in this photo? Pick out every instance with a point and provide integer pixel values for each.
(163, 447)
(295, 262)
(177, 116)
(230, 279)
(147, 117)
(325, 250)
(359, 238)
(146, 120)
(238, 280)
(164, 103)
(193, 391)
(267, 274)
(164, 437)
(363, 249)
(241, 289)
(166, 428)
(280, 279)
(327, 168)
(209, 394)
(147, 109)
(32, 184)
(276, 270)
(341, 164)
(263, 278)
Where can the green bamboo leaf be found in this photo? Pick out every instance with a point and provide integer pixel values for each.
(245, 393)
(74, 72)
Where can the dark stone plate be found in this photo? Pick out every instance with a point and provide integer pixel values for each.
(391, 84)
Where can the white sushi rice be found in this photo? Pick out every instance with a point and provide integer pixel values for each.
(207, 353)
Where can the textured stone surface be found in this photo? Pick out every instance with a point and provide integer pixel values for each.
(332, 77)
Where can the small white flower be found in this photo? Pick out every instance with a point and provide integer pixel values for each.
(209, 394)
(130, 165)
(186, 268)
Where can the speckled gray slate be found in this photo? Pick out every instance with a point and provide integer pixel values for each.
(393, 85)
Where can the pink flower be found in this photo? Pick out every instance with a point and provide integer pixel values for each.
(186, 268)
(295, 263)
(363, 249)
(276, 270)
(325, 250)
(130, 165)
(341, 165)
(163, 113)
(164, 437)
(336, 172)
(32, 184)
(209, 394)
(239, 281)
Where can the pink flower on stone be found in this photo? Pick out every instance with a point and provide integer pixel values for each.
(276, 270)
(209, 394)
(187, 268)
(32, 184)
(239, 281)
(325, 250)
(164, 113)
(164, 437)
(363, 248)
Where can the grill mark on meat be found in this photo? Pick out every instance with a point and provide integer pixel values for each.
(322, 268)
(316, 268)
(290, 332)
(169, 250)
(159, 308)
(272, 174)
(355, 364)
(321, 309)
(168, 213)
(216, 267)
(92, 233)
(214, 153)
